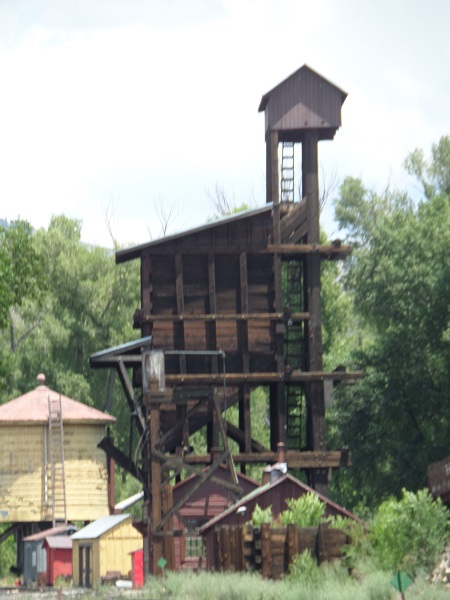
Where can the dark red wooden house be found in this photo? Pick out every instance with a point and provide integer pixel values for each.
(208, 501)
(231, 306)
(273, 494)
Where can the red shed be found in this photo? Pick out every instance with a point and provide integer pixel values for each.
(274, 494)
(137, 568)
(59, 558)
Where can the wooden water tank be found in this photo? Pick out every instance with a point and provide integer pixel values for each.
(24, 458)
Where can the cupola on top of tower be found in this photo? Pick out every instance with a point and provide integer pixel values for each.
(304, 101)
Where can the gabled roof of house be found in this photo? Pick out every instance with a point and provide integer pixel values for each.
(59, 541)
(32, 407)
(271, 486)
(60, 531)
(100, 526)
(221, 470)
(265, 98)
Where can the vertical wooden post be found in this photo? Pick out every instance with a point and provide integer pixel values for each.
(278, 417)
(272, 179)
(212, 432)
(315, 423)
(225, 547)
(111, 469)
(168, 526)
(292, 542)
(233, 548)
(179, 326)
(146, 291)
(155, 500)
(266, 550)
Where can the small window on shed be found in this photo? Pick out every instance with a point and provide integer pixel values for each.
(194, 546)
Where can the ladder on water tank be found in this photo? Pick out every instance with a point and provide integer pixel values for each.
(57, 481)
(287, 172)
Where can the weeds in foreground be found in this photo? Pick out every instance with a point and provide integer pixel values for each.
(329, 582)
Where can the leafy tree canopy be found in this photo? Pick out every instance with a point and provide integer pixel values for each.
(21, 268)
(397, 420)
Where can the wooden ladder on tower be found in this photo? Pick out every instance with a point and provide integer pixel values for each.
(287, 172)
(294, 352)
(57, 480)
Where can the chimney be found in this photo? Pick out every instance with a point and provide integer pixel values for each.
(281, 452)
(266, 475)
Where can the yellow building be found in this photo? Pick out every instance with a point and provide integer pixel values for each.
(103, 547)
(50, 466)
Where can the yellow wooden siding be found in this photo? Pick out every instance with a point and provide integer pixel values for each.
(22, 472)
(110, 552)
(95, 563)
(115, 548)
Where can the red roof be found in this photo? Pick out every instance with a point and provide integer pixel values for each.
(63, 530)
(32, 407)
(59, 541)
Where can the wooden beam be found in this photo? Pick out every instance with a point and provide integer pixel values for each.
(294, 460)
(325, 251)
(260, 378)
(202, 478)
(130, 395)
(107, 445)
(176, 463)
(238, 436)
(244, 316)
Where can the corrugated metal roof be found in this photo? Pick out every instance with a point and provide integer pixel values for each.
(59, 541)
(33, 407)
(134, 251)
(99, 527)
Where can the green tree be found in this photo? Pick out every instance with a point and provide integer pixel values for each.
(88, 307)
(397, 420)
(22, 277)
(20, 268)
(409, 533)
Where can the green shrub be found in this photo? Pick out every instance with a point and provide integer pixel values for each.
(304, 568)
(7, 553)
(410, 533)
(261, 516)
(306, 511)
(358, 547)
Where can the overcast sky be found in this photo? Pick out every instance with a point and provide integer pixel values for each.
(120, 110)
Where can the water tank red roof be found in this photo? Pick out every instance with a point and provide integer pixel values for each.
(33, 407)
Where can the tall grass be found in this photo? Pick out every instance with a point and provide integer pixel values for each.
(333, 583)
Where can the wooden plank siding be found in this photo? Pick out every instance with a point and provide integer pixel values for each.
(22, 473)
(270, 550)
(305, 100)
(109, 552)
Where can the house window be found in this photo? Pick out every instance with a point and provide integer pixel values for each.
(194, 546)
(193, 543)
